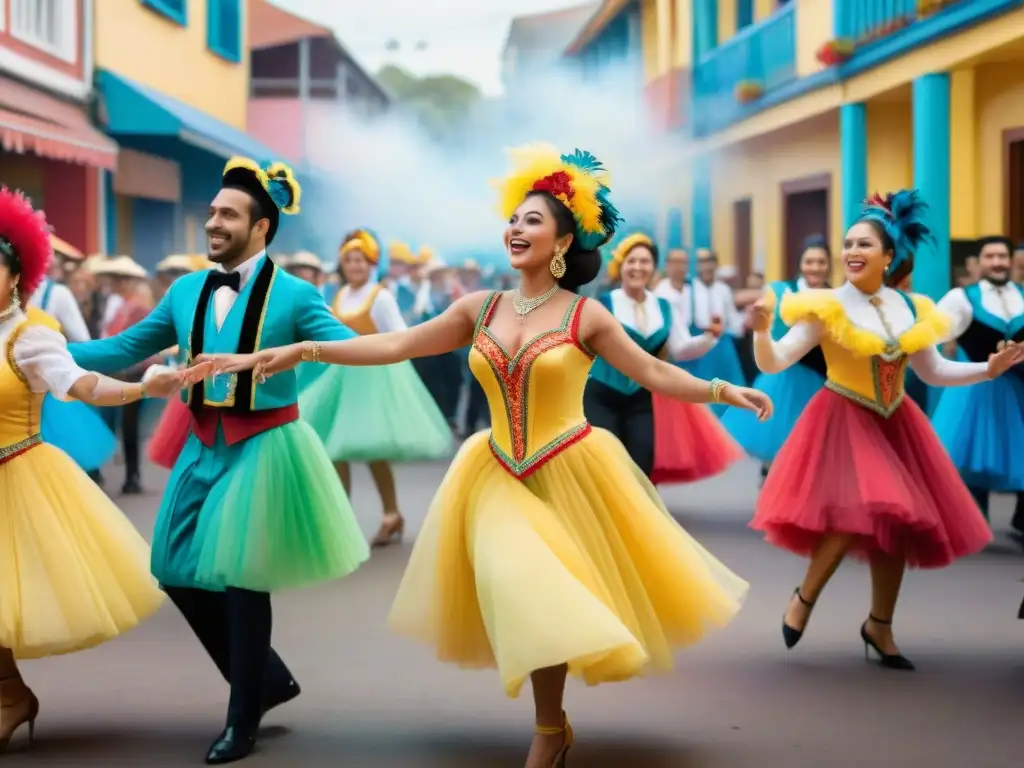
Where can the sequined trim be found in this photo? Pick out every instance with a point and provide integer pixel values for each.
(8, 452)
(887, 381)
(11, 341)
(513, 375)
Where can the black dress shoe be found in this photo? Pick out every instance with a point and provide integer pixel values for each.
(233, 744)
(132, 488)
(280, 694)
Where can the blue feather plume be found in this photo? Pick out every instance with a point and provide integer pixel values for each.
(279, 192)
(902, 216)
(610, 217)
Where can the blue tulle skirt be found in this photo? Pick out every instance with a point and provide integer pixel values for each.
(982, 428)
(790, 391)
(722, 362)
(79, 430)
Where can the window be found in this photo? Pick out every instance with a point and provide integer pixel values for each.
(175, 10)
(224, 28)
(49, 25)
(744, 13)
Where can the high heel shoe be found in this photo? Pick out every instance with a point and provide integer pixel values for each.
(887, 660)
(790, 635)
(566, 729)
(391, 531)
(15, 710)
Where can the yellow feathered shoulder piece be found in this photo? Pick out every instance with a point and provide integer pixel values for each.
(823, 306)
(622, 250)
(578, 180)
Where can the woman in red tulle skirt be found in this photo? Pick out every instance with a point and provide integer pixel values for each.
(671, 441)
(863, 472)
(170, 435)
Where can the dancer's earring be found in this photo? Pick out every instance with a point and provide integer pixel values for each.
(557, 265)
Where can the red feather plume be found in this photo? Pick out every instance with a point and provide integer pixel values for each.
(25, 228)
(877, 201)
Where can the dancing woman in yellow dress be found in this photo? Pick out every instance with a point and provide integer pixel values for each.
(546, 550)
(73, 571)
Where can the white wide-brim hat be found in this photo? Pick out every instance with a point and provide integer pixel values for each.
(121, 266)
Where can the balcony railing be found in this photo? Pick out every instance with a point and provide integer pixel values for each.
(864, 21)
(759, 58)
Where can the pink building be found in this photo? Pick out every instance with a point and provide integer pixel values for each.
(48, 146)
(300, 76)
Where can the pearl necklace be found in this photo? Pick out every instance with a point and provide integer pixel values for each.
(8, 313)
(525, 306)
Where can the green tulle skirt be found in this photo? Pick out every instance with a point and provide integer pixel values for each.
(381, 413)
(282, 519)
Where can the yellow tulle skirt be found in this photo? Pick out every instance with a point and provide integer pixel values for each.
(579, 564)
(74, 572)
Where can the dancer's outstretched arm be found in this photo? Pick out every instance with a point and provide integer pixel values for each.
(451, 330)
(605, 336)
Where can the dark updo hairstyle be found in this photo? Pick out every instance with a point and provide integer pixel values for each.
(580, 266)
(816, 241)
(9, 257)
(894, 277)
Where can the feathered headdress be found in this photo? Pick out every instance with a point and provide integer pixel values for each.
(578, 180)
(622, 250)
(24, 237)
(901, 215)
(275, 187)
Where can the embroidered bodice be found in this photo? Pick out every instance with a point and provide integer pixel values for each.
(867, 342)
(536, 394)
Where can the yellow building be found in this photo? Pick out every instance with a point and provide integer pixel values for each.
(789, 112)
(173, 82)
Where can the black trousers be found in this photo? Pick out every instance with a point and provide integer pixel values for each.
(476, 404)
(125, 419)
(441, 374)
(234, 628)
(982, 495)
(629, 417)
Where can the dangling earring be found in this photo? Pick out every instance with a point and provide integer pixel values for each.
(887, 267)
(557, 265)
(15, 298)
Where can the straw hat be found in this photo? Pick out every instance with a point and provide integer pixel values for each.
(435, 265)
(120, 266)
(200, 263)
(470, 265)
(178, 262)
(65, 250)
(305, 259)
(93, 261)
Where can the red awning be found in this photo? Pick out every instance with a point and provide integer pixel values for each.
(32, 121)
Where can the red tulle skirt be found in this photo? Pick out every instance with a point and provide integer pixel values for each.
(170, 435)
(690, 443)
(888, 483)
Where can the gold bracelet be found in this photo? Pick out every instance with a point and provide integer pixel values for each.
(312, 349)
(142, 390)
(717, 386)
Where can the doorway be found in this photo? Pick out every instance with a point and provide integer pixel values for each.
(742, 239)
(805, 212)
(1013, 168)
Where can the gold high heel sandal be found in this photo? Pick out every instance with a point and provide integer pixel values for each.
(566, 729)
(16, 709)
(391, 531)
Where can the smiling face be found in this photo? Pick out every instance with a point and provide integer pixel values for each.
(865, 256)
(355, 267)
(532, 234)
(815, 266)
(994, 262)
(230, 229)
(637, 268)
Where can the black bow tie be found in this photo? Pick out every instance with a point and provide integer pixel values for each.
(232, 280)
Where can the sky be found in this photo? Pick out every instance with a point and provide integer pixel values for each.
(462, 37)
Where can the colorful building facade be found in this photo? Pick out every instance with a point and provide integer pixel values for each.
(790, 112)
(48, 147)
(172, 77)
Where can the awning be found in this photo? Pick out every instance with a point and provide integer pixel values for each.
(32, 121)
(130, 108)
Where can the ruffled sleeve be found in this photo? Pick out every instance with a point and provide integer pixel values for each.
(41, 355)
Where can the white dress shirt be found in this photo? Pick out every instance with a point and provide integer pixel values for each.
(384, 312)
(930, 366)
(681, 345)
(63, 308)
(110, 310)
(224, 298)
(715, 300)
(42, 355)
(1003, 301)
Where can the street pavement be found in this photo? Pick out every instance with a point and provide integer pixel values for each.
(373, 700)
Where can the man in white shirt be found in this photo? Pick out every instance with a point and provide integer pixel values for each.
(982, 426)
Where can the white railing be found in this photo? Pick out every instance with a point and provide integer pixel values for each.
(49, 25)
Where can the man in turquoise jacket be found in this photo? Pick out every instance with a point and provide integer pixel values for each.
(253, 504)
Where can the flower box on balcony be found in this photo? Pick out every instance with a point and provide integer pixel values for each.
(748, 91)
(835, 52)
